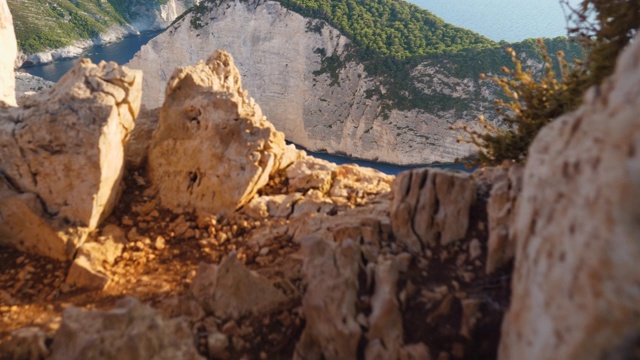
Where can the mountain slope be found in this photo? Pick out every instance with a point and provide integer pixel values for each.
(326, 92)
(43, 25)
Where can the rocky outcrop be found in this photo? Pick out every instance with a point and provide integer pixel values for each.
(575, 283)
(505, 183)
(431, 207)
(28, 85)
(213, 149)
(64, 186)
(230, 290)
(298, 257)
(130, 331)
(281, 56)
(8, 56)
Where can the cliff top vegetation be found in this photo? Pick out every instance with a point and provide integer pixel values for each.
(50, 24)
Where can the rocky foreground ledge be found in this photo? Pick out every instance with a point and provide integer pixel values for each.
(199, 233)
(233, 243)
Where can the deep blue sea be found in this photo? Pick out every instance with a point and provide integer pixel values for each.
(510, 20)
(120, 52)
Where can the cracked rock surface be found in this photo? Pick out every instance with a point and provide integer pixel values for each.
(213, 149)
(61, 157)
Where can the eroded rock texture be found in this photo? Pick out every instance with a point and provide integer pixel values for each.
(130, 331)
(213, 149)
(230, 290)
(61, 157)
(575, 284)
(431, 207)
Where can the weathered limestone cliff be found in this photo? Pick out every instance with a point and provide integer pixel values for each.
(7, 58)
(28, 85)
(280, 55)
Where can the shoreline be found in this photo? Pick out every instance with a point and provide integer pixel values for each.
(78, 48)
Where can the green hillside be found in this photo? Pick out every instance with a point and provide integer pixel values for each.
(48, 24)
(391, 37)
(393, 28)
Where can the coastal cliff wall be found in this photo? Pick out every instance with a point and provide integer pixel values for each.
(285, 58)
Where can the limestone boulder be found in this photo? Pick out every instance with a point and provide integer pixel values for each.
(7, 56)
(130, 331)
(213, 149)
(577, 228)
(431, 206)
(25, 343)
(137, 148)
(231, 290)
(88, 268)
(65, 148)
(311, 173)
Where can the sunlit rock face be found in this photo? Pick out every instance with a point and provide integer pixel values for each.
(575, 284)
(213, 149)
(62, 157)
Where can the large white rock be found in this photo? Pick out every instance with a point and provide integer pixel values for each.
(213, 149)
(7, 55)
(576, 284)
(65, 148)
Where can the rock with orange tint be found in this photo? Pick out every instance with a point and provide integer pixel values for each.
(231, 290)
(213, 148)
(130, 331)
(65, 147)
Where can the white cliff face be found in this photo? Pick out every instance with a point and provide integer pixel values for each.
(7, 56)
(148, 15)
(277, 52)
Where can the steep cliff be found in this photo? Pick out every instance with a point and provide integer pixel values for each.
(64, 28)
(316, 86)
(282, 59)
